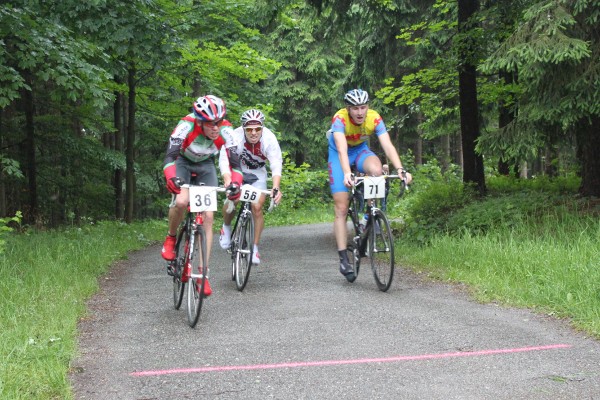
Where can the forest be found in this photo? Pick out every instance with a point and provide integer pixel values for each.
(90, 91)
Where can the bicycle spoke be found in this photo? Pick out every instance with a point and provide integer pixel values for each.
(198, 278)
(243, 254)
(381, 250)
(179, 279)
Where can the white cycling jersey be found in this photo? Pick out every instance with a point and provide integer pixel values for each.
(254, 157)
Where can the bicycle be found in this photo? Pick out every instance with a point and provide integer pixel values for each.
(375, 241)
(242, 235)
(191, 251)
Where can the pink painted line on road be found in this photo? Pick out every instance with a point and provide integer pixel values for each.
(421, 357)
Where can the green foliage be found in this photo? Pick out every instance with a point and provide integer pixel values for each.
(11, 168)
(6, 228)
(498, 185)
(302, 187)
(552, 49)
(441, 204)
(49, 52)
(429, 211)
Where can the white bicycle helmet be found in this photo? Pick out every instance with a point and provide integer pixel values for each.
(209, 108)
(253, 115)
(356, 97)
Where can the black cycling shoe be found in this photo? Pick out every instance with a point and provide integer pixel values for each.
(348, 272)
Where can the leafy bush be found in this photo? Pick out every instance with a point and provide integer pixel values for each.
(501, 184)
(429, 211)
(303, 187)
(500, 212)
(5, 228)
(441, 203)
(433, 197)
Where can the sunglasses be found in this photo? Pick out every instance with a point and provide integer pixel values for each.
(257, 130)
(213, 123)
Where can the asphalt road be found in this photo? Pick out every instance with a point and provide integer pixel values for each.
(300, 331)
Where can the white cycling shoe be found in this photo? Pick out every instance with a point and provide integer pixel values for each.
(255, 257)
(224, 240)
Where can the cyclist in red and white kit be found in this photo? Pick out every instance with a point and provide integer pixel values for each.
(254, 144)
(193, 146)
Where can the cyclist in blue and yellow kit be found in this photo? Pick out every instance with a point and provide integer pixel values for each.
(351, 128)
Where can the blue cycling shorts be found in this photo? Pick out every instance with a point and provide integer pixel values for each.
(356, 157)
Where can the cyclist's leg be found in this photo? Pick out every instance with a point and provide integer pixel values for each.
(257, 208)
(259, 218)
(340, 200)
(259, 224)
(368, 163)
(208, 232)
(177, 211)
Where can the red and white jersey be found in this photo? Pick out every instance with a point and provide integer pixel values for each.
(254, 157)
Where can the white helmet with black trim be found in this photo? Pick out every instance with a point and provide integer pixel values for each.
(356, 97)
(253, 115)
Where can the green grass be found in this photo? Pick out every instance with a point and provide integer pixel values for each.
(548, 264)
(45, 279)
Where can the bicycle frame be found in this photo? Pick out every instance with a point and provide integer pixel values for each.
(376, 240)
(194, 272)
(242, 236)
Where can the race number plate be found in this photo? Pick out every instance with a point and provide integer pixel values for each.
(249, 194)
(202, 199)
(374, 187)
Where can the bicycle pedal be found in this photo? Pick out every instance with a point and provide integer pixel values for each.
(170, 270)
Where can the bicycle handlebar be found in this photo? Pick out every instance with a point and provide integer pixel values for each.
(215, 188)
(272, 204)
(403, 184)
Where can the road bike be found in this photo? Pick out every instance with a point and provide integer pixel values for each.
(375, 241)
(242, 235)
(189, 268)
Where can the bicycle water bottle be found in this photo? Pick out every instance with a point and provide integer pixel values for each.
(363, 222)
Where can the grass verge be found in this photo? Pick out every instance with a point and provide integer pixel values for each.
(549, 264)
(45, 279)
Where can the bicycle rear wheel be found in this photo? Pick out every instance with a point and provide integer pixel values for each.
(179, 279)
(381, 250)
(243, 255)
(196, 284)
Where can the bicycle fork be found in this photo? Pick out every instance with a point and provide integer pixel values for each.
(189, 270)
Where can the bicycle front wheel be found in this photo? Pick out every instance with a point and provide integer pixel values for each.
(197, 281)
(381, 250)
(243, 255)
(181, 259)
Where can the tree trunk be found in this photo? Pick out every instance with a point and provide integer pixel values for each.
(3, 208)
(473, 171)
(457, 151)
(551, 161)
(30, 217)
(588, 143)
(445, 156)
(129, 151)
(419, 151)
(118, 147)
(505, 117)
